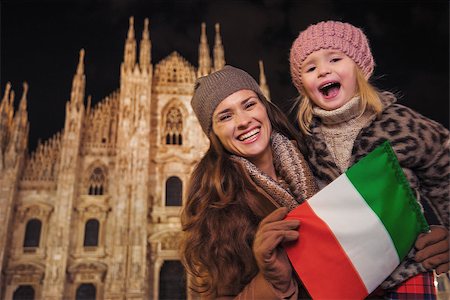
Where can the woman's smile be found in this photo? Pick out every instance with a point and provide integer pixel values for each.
(249, 136)
(242, 125)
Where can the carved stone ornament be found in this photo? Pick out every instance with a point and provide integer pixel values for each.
(26, 272)
(87, 270)
(37, 209)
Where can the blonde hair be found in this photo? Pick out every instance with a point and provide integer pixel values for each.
(369, 99)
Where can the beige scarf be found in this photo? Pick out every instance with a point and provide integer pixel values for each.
(296, 182)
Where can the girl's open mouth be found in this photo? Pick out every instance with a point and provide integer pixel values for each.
(330, 89)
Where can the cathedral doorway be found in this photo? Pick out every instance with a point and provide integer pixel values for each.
(172, 281)
(86, 291)
(24, 292)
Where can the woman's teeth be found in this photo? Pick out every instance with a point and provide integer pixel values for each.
(249, 134)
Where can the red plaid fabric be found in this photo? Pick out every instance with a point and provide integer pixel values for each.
(419, 287)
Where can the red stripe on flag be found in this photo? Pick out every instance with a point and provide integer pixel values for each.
(320, 261)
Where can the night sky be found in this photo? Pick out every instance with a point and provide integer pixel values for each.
(40, 43)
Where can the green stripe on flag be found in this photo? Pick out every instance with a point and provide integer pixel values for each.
(387, 191)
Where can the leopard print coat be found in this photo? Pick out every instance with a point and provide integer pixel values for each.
(422, 148)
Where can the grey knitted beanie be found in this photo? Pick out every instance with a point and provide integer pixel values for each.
(212, 89)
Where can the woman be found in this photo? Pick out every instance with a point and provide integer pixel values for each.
(233, 229)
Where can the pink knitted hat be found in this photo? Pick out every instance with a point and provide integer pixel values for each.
(331, 35)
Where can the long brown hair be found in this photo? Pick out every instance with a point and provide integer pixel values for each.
(220, 221)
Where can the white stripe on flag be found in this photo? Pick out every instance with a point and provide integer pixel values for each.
(350, 218)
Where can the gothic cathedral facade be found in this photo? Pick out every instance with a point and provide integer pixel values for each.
(93, 212)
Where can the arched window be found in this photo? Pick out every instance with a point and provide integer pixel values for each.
(174, 191)
(32, 233)
(97, 181)
(24, 292)
(86, 291)
(174, 127)
(172, 280)
(91, 233)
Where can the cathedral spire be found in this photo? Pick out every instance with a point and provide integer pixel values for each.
(78, 83)
(262, 81)
(20, 130)
(6, 117)
(129, 58)
(145, 48)
(219, 54)
(204, 59)
(80, 67)
(23, 100)
(7, 106)
(5, 96)
(10, 107)
(22, 113)
(88, 106)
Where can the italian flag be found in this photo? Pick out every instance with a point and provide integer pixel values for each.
(355, 231)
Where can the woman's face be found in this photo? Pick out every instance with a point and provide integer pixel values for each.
(329, 78)
(243, 127)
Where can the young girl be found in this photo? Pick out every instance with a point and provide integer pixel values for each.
(343, 117)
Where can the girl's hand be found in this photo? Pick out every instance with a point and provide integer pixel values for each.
(433, 249)
(271, 258)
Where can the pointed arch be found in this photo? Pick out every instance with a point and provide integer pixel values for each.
(173, 129)
(97, 179)
(174, 116)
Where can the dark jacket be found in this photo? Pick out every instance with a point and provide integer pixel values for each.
(422, 148)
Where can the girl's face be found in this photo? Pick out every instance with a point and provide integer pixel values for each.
(243, 127)
(329, 78)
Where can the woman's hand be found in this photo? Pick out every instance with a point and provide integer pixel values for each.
(271, 258)
(433, 249)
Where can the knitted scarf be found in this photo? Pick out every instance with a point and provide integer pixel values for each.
(296, 183)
